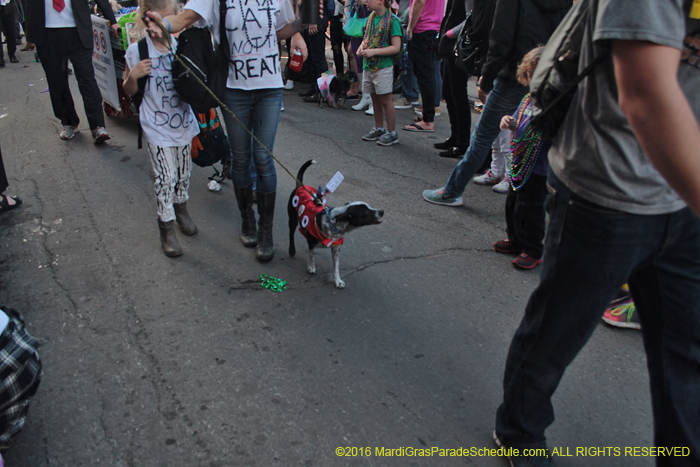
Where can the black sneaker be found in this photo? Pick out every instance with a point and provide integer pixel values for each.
(13, 59)
(447, 144)
(2, 62)
(308, 93)
(452, 153)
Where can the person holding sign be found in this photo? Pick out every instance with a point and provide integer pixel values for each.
(253, 94)
(62, 31)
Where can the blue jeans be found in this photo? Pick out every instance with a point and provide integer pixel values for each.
(259, 112)
(503, 99)
(590, 251)
(409, 84)
(437, 76)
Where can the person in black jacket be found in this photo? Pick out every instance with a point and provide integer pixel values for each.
(454, 79)
(518, 27)
(62, 30)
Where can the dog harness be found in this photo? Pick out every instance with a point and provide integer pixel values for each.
(307, 209)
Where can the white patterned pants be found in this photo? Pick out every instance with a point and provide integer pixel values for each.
(172, 167)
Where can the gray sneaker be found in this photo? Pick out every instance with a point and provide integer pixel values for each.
(67, 133)
(374, 134)
(438, 197)
(100, 135)
(388, 138)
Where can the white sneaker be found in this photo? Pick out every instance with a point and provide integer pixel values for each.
(67, 133)
(502, 187)
(289, 85)
(370, 111)
(486, 179)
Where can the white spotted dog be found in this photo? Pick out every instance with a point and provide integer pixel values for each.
(325, 225)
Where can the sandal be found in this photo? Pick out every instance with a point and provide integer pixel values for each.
(417, 127)
(5, 206)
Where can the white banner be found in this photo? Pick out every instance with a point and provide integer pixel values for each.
(103, 62)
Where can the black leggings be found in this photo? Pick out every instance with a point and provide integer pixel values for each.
(3, 177)
(525, 215)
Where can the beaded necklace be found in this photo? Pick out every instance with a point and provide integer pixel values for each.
(525, 146)
(375, 37)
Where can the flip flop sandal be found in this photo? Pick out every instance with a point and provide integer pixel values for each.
(416, 127)
(5, 206)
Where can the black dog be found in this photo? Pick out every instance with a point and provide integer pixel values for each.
(338, 88)
(324, 225)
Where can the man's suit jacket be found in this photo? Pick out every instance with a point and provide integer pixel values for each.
(36, 20)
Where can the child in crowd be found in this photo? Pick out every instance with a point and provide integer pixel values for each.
(525, 202)
(499, 173)
(381, 41)
(168, 124)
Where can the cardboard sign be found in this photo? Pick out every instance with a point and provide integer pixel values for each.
(103, 62)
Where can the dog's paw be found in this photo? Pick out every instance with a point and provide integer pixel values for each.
(339, 284)
(311, 269)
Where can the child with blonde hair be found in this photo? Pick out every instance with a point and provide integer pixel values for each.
(382, 40)
(168, 124)
(525, 214)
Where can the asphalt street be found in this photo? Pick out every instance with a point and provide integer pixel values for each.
(153, 361)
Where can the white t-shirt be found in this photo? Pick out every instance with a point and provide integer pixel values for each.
(165, 119)
(251, 28)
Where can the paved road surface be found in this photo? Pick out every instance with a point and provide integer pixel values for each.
(152, 361)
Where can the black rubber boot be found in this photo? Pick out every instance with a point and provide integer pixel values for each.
(184, 220)
(168, 239)
(266, 209)
(244, 198)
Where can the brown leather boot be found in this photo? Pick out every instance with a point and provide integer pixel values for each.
(266, 209)
(244, 198)
(168, 239)
(183, 219)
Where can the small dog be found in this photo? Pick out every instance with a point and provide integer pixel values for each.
(338, 90)
(324, 225)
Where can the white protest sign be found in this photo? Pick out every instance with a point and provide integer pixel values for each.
(103, 62)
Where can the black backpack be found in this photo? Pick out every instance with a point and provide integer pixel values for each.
(202, 63)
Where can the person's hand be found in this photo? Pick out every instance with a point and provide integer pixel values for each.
(141, 69)
(507, 122)
(154, 24)
(367, 53)
(298, 43)
(313, 29)
(115, 29)
(409, 34)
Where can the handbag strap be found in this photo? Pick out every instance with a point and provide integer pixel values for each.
(223, 37)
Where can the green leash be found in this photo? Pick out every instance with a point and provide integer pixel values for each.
(272, 283)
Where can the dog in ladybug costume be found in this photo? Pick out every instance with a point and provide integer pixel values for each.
(324, 225)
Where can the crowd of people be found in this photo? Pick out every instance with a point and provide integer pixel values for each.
(619, 178)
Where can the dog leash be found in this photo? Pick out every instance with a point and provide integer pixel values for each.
(230, 112)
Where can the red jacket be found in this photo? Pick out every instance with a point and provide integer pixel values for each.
(307, 209)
